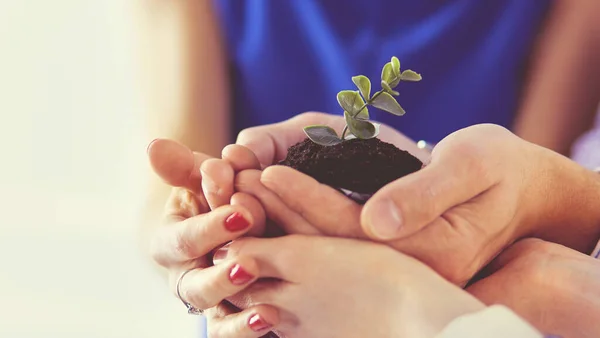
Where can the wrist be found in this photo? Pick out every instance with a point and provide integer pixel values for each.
(569, 200)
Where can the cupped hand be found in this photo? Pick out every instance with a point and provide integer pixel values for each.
(555, 288)
(323, 287)
(483, 189)
(196, 223)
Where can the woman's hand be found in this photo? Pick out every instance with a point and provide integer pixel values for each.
(555, 288)
(197, 220)
(323, 287)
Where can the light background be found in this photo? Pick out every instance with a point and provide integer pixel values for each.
(72, 168)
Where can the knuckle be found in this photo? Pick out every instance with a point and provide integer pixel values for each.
(186, 242)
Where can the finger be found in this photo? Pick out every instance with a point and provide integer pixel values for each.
(278, 257)
(271, 142)
(182, 204)
(205, 288)
(240, 158)
(256, 321)
(217, 182)
(408, 204)
(323, 207)
(248, 181)
(176, 164)
(257, 211)
(195, 237)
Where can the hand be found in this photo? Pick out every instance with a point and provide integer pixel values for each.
(447, 214)
(201, 184)
(324, 287)
(190, 230)
(554, 288)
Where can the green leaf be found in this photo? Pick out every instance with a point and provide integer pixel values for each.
(362, 129)
(409, 75)
(387, 75)
(386, 86)
(395, 66)
(388, 103)
(322, 135)
(351, 101)
(388, 89)
(364, 85)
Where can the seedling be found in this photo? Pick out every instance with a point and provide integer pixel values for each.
(355, 105)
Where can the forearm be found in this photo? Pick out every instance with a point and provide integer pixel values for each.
(184, 74)
(563, 87)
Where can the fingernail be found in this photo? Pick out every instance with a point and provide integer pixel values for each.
(386, 220)
(258, 324)
(236, 222)
(221, 254)
(150, 144)
(239, 276)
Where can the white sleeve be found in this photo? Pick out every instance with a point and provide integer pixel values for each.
(494, 322)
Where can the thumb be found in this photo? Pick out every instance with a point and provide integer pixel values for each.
(270, 142)
(408, 204)
(176, 164)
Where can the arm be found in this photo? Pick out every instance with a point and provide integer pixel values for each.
(185, 80)
(563, 89)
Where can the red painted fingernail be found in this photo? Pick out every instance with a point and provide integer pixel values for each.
(258, 324)
(236, 222)
(239, 276)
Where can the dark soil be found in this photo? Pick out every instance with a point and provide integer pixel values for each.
(362, 166)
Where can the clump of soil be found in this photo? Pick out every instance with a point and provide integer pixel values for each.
(362, 166)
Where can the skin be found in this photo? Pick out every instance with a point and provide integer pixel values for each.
(335, 276)
(562, 284)
(181, 46)
(298, 217)
(562, 89)
(461, 226)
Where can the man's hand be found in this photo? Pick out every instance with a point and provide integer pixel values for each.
(483, 189)
(554, 288)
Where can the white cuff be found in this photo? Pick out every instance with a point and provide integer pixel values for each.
(496, 321)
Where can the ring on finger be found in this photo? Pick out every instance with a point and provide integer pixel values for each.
(191, 309)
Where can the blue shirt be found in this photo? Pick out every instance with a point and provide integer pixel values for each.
(291, 56)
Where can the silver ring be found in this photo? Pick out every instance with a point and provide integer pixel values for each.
(191, 309)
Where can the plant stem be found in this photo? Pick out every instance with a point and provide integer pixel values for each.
(367, 103)
(361, 109)
(344, 132)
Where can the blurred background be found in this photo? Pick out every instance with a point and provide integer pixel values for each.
(70, 187)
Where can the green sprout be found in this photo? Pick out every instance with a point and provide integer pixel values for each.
(355, 102)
